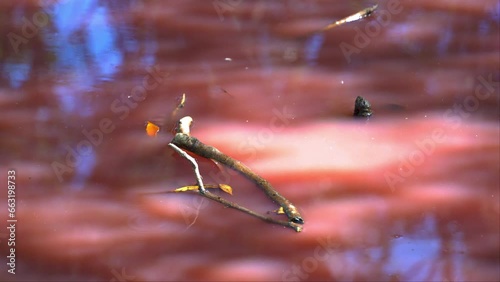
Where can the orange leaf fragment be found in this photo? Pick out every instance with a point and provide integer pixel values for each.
(152, 129)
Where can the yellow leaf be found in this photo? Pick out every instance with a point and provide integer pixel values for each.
(186, 188)
(279, 211)
(226, 188)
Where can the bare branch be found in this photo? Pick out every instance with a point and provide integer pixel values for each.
(199, 180)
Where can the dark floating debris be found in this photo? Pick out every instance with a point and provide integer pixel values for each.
(362, 107)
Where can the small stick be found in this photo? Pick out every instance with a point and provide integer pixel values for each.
(194, 145)
(199, 180)
(179, 106)
(359, 15)
(205, 193)
(295, 226)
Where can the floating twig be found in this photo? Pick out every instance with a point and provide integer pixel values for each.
(181, 104)
(294, 225)
(199, 180)
(205, 193)
(185, 141)
(359, 15)
(182, 139)
(195, 146)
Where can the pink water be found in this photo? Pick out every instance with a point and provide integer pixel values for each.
(410, 195)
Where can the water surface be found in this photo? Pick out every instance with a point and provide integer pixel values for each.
(409, 195)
